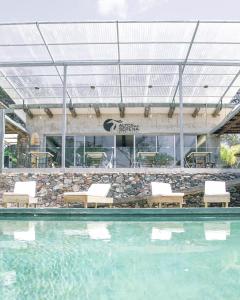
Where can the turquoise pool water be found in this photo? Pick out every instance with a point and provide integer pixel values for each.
(119, 260)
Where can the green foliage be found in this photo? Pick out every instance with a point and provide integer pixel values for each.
(230, 139)
(228, 154)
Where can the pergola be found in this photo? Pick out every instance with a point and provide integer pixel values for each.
(77, 64)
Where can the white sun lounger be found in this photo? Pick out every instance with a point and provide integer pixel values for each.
(24, 193)
(97, 193)
(162, 193)
(215, 192)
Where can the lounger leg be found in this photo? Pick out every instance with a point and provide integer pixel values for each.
(160, 205)
(85, 204)
(226, 204)
(96, 205)
(180, 204)
(110, 205)
(206, 204)
(27, 205)
(18, 204)
(150, 204)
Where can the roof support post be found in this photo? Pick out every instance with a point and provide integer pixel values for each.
(181, 118)
(2, 132)
(64, 121)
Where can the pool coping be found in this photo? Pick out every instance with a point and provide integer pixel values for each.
(127, 212)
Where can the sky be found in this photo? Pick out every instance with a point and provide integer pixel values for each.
(100, 10)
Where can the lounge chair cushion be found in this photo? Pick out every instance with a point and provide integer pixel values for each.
(25, 187)
(215, 188)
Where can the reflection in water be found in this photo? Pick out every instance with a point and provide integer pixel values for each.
(70, 260)
(215, 231)
(94, 230)
(7, 278)
(164, 231)
(28, 235)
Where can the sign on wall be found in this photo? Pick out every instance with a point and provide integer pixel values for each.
(120, 127)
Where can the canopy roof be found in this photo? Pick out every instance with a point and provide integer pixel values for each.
(114, 62)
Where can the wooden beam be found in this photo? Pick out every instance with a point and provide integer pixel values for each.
(97, 111)
(147, 111)
(72, 110)
(171, 111)
(230, 125)
(27, 111)
(196, 111)
(217, 110)
(122, 111)
(48, 112)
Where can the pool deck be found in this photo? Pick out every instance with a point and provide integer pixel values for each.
(122, 213)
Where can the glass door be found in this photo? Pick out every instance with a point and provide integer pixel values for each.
(124, 151)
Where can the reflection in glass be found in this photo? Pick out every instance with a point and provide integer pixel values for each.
(165, 148)
(99, 144)
(79, 156)
(54, 146)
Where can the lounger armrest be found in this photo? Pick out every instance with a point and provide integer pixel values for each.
(85, 193)
(14, 194)
(99, 199)
(216, 194)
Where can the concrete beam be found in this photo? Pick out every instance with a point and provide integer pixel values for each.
(48, 112)
(196, 112)
(106, 105)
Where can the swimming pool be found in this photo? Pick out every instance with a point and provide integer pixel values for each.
(111, 259)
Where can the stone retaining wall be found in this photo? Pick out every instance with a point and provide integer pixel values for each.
(127, 189)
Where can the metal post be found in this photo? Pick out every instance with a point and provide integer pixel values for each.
(64, 124)
(181, 118)
(2, 132)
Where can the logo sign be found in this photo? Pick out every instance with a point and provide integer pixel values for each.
(120, 127)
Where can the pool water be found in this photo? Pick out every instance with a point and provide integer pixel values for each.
(119, 260)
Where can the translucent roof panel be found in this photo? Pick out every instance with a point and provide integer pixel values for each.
(16, 34)
(149, 69)
(105, 59)
(218, 32)
(94, 93)
(24, 54)
(153, 51)
(146, 80)
(63, 33)
(156, 32)
(92, 80)
(92, 70)
(84, 52)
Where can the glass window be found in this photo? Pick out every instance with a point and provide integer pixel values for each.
(69, 152)
(79, 154)
(165, 149)
(145, 143)
(54, 146)
(99, 151)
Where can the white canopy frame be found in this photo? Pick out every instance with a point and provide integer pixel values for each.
(41, 63)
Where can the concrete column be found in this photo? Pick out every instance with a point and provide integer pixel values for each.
(2, 132)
